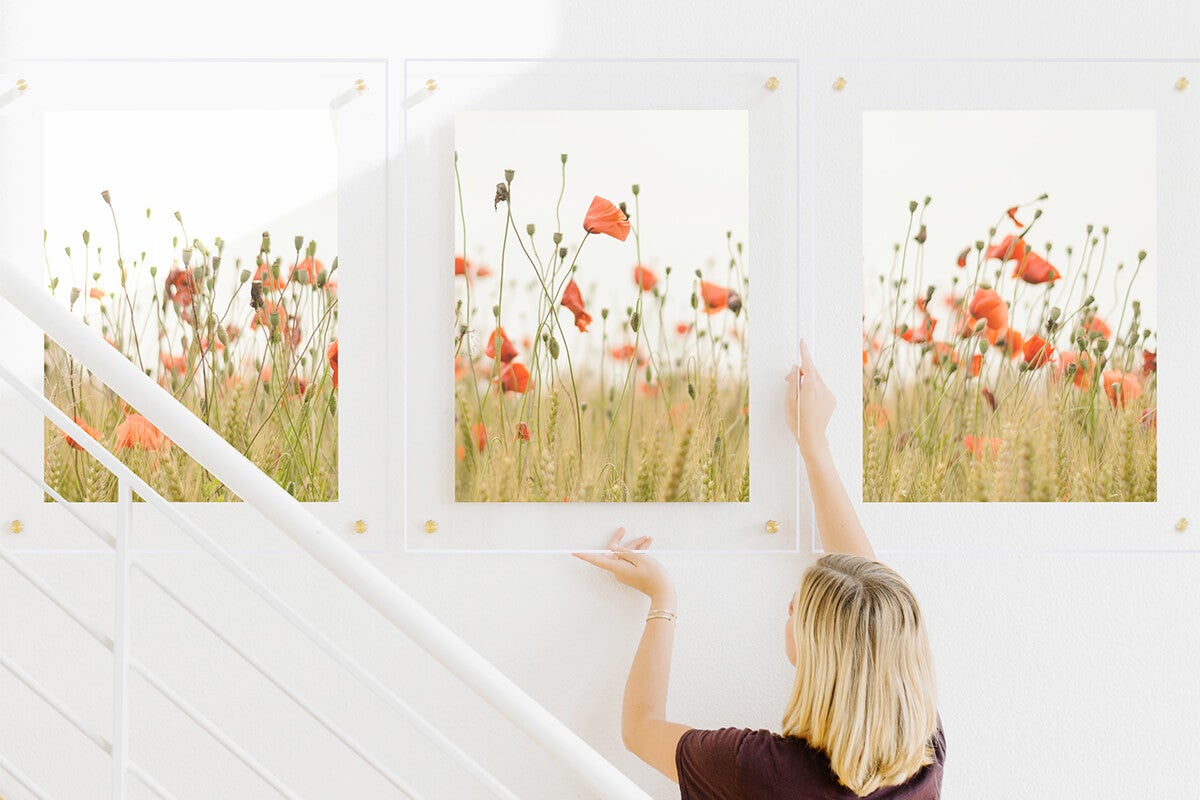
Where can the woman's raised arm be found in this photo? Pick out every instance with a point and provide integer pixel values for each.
(810, 404)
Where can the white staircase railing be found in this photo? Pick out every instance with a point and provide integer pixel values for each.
(259, 491)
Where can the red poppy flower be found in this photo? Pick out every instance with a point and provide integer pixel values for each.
(989, 397)
(265, 274)
(1097, 325)
(1010, 248)
(96, 294)
(864, 357)
(514, 378)
(1149, 362)
(1082, 378)
(877, 415)
(962, 257)
(1037, 351)
(942, 351)
(683, 328)
(1121, 387)
(137, 432)
(644, 278)
(924, 333)
(603, 217)
(979, 445)
(332, 355)
(179, 287)
(461, 265)
(627, 352)
(1035, 269)
(715, 297)
(508, 351)
(1011, 340)
(309, 269)
(480, 434)
(173, 363)
(483, 272)
(1012, 214)
(976, 365)
(220, 346)
(989, 305)
(572, 300)
(522, 431)
(460, 452)
(88, 429)
(262, 316)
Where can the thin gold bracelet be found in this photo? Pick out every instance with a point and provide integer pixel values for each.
(660, 613)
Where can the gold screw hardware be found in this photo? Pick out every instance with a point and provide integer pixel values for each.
(431, 85)
(839, 84)
(431, 526)
(1181, 526)
(772, 83)
(1182, 83)
(360, 85)
(16, 526)
(772, 526)
(360, 526)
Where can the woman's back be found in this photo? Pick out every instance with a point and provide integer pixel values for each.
(736, 763)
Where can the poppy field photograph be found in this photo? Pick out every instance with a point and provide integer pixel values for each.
(602, 304)
(209, 260)
(1009, 315)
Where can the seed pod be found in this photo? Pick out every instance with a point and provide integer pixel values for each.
(529, 229)
(553, 345)
(691, 391)
(635, 321)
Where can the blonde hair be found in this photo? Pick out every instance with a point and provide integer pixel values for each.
(864, 691)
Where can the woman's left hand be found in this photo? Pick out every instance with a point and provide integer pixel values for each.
(631, 566)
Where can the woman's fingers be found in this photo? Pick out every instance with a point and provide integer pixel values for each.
(606, 561)
(615, 540)
(807, 367)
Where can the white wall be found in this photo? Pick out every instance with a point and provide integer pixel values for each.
(1061, 675)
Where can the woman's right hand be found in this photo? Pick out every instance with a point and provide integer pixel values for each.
(810, 404)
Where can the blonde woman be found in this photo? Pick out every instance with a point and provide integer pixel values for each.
(861, 720)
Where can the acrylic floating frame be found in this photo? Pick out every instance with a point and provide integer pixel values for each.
(841, 92)
(221, 89)
(432, 521)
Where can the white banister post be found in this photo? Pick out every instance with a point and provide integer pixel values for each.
(120, 660)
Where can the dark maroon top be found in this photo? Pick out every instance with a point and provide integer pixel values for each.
(737, 764)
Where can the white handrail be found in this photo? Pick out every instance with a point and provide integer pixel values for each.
(226, 559)
(260, 491)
